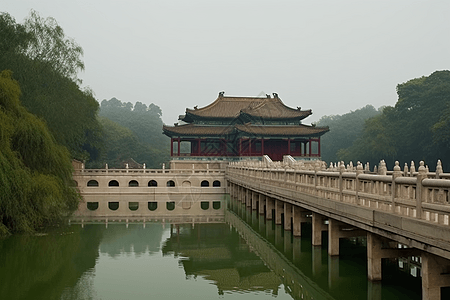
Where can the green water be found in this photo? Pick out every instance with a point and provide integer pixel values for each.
(188, 261)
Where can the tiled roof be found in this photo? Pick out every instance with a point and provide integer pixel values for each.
(227, 107)
(258, 130)
(274, 108)
(197, 130)
(282, 130)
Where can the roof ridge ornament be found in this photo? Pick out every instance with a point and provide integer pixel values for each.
(221, 94)
(275, 95)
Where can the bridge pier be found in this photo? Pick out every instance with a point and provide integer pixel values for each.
(279, 209)
(248, 201)
(270, 205)
(261, 203)
(338, 230)
(435, 274)
(287, 216)
(317, 227)
(298, 218)
(254, 196)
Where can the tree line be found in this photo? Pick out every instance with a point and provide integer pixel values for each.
(416, 128)
(47, 119)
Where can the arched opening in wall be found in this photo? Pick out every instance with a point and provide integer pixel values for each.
(170, 205)
(216, 183)
(205, 183)
(92, 205)
(92, 183)
(204, 205)
(170, 183)
(113, 183)
(133, 205)
(133, 183)
(152, 183)
(152, 205)
(216, 204)
(186, 183)
(113, 205)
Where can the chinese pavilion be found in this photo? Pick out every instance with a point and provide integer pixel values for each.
(232, 127)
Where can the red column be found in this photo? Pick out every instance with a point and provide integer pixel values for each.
(289, 146)
(262, 147)
(179, 142)
(318, 145)
(171, 146)
(240, 147)
(309, 147)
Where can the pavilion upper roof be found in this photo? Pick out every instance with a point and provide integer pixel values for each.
(231, 107)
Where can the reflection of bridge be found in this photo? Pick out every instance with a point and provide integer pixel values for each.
(401, 215)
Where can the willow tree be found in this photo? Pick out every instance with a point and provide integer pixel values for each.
(35, 172)
(46, 64)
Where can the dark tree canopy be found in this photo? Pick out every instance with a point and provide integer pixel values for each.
(344, 129)
(415, 129)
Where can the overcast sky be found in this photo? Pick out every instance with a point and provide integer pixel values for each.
(328, 56)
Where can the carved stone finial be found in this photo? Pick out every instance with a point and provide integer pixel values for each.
(412, 169)
(397, 170)
(439, 169)
(359, 166)
(383, 169)
(405, 170)
(422, 168)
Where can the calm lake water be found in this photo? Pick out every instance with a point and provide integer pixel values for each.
(246, 257)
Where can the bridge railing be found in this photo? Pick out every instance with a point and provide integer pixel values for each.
(97, 172)
(423, 194)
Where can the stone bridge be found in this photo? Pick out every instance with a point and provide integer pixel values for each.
(402, 213)
(140, 195)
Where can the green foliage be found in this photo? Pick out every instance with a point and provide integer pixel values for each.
(344, 130)
(49, 44)
(133, 132)
(45, 64)
(35, 172)
(417, 128)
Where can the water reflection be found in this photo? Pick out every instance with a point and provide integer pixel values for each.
(42, 266)
(238, 259)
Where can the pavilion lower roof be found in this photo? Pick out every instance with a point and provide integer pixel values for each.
(247, 129)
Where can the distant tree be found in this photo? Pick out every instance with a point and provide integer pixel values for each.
(146, 125)
(415, 129)
(344, 130)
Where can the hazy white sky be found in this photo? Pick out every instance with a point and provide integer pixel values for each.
(328, 56)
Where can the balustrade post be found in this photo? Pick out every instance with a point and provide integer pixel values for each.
(421, 175)
(359, 171)
(341, 183)
(397, 173)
